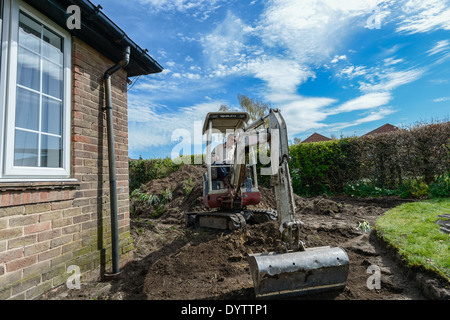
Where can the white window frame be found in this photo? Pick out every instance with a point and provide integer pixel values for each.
(8, 92)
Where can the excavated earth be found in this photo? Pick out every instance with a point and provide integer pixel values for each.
(174, 262)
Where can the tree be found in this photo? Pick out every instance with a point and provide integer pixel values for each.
(224, 108)
(294, 141)
(254, 107)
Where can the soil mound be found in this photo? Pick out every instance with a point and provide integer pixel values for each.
(177, 194)
(185, 190)
(185, 187)
(210, 269)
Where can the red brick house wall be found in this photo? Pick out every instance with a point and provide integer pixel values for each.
(45, 227)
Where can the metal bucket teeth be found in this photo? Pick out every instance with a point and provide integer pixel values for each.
(299, 273)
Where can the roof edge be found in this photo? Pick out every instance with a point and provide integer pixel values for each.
(100, 32)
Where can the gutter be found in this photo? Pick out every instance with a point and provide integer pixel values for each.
(100, 32)
(112, 160)
(114, 31)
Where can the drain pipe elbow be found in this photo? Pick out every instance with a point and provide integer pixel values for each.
(112, 160)
(121, 64)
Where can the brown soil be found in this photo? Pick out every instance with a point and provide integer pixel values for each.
(173, 262)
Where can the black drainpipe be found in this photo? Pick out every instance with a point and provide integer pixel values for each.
(112, 160)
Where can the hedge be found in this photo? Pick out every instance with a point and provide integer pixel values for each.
(323, 167)
(420, 153)
(417, 157)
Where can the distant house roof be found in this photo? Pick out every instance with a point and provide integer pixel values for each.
(315, 137)
(383, 129)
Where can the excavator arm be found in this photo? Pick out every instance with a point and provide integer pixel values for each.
(297, 270)
(276, 135)
(282, 184)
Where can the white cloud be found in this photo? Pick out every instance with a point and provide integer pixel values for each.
(351, 72)
(425, 16)
(308, 33)
(391, 61)
(281, 76)
(197, 7)
(192, 76)
(440, 46)
(311, 30)
(142, 113)
(390, 80)
(375, 115)
(226, 43)
(337, 58)
(441, 99)
(153, 126)
(282, 48)
(305, 113)
(367, 101)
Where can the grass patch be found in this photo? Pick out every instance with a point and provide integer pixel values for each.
(411, 229)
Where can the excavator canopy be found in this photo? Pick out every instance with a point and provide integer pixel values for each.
(223, 121)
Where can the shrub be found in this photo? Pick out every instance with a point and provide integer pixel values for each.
(411, 188)
(142, 171)
(440, 187)
(188, 185)
(365, 189)
(150, 204)
(166, 195)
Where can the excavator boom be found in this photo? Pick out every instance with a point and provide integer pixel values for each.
(297, 270)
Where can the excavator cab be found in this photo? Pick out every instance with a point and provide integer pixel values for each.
(216, 193)
(228, 202)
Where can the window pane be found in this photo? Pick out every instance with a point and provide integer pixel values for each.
(27, 109)
(28, 69)
(29, 33)
(26, 149)
(53, 46)
(51, 121)
(51, 151)
(52, 79)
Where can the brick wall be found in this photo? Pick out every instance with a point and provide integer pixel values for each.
(47, 226)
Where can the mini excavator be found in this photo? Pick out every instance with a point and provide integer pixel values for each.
(230, 186)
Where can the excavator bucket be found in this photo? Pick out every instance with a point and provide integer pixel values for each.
(298, 273)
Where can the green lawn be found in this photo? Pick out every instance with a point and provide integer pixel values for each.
(412, 230)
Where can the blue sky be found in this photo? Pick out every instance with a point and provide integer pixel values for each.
(339, 68)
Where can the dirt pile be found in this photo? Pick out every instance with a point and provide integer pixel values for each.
(212, 269)
(186, 191)
(177, 194)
